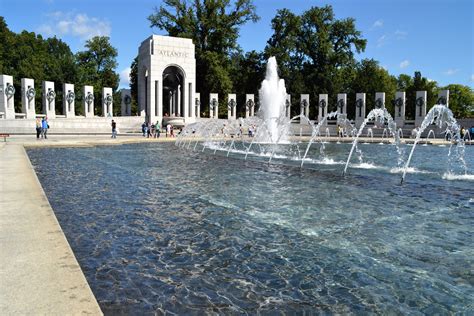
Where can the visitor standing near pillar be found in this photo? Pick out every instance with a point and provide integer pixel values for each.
(39, 127)
(114, 129)
(44, 127)
(153, 130)
(144, 129)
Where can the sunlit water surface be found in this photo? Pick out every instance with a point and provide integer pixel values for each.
(160, 229)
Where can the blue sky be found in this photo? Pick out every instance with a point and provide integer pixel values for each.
(435, 37)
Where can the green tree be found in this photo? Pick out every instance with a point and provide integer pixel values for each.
(213, 25)
(247, 70)
(421, 83)
(6, 38)
(134, 86)
(316, 51)
(371, 78)
(96, 66)
(461, 100)
(27, 55)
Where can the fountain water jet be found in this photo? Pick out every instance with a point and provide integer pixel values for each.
(379, 115)
(272, 99)
(440, 115)
(431, 132)
(273, 132)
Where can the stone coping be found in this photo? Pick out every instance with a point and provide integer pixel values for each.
(81, 140)
(39, 274)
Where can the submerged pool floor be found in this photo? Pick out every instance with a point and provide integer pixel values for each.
(160, 229)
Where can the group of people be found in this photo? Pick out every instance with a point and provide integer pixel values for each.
(151, 130)
(250, 131)
(42, 127)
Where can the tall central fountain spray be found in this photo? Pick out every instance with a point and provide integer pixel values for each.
(272, 103)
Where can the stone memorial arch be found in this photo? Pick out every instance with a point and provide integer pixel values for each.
(167, 78)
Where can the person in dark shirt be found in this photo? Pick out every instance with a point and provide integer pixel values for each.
(114, 129)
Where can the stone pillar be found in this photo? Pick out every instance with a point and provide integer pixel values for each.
(7, 95)
(304, 104)
(232, 107)
(420, 107)
(179, 101)
(126, 102)
(380, 100)
(176, 104)
(69, 98)
(159, 97)
(249, 105)
(142, 84)
(28, 98)
(197, 104)
(214, 105)
(108, 102)
(360, 109)
(171, 103)
(185, 99)
(88, 97)
(49, 99)
(400, 106)
(288, 106)
(322, 107)
(443, 97)
(342, 104)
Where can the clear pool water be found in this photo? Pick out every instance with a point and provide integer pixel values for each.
(159, 229)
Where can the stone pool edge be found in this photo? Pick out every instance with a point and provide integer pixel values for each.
(39, 272)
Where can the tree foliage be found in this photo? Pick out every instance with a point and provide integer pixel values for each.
(371, 78)
(134, 86)
(461, 100)
(29, 55)
(213, 25)
(315, 51)
(96, 67)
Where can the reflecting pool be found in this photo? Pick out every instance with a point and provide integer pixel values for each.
(159, 229)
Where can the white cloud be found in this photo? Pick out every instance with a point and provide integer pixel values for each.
(472, 78)
(125, 77)
(381, 40)
(400, 35)
(405, 63)
(450, 72)
(74, 24)
(45, 29)
(378, 23)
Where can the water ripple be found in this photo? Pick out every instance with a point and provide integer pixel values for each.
(159, 230)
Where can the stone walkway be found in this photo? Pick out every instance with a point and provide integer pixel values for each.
(38, 271)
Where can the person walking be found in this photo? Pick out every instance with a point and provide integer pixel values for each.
(168, 130)
(114, 129)
(148, 130)
(39, 127)
(44, 127)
